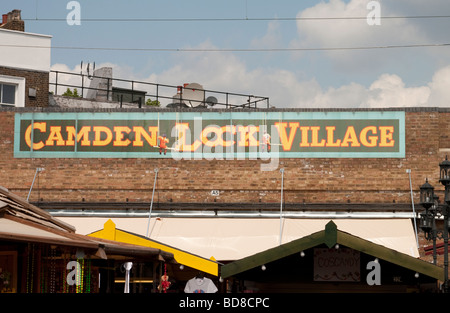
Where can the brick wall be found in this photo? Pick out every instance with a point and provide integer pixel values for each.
(33, 79)
(309, 181)
(305, 180)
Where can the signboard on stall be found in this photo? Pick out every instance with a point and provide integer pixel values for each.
(336, 265)
(216, 135)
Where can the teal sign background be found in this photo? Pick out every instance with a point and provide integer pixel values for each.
(219, 135)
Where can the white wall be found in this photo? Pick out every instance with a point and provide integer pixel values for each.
(25, 50)
(82, 103)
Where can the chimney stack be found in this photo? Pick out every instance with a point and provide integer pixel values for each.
(13, 21)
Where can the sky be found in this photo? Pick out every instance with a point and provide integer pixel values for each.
(300, 54)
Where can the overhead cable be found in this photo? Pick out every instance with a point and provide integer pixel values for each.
(431, 45)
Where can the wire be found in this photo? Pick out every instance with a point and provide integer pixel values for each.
(230, 49)
(234, 19)
(240, 19)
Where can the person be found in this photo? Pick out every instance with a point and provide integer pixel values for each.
(163, 141)
(266, 142)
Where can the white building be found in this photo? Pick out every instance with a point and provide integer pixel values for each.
(24, 64)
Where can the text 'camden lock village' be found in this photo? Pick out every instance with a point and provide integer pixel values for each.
(191, 137)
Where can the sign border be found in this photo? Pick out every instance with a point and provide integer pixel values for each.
(214, 115)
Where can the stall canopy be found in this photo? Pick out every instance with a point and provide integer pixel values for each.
(21, 221)
(330, 235)
(230, 239)
(110, 232)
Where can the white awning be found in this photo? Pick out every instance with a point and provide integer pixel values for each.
(13, 229)
(228, 239)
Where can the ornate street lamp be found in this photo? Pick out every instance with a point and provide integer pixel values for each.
(444, 173)
(444, 178)
(427, 201)
(433, 211)
(426, 195)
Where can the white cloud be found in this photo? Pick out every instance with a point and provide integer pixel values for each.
(390, 91)
(224, 71)
(345, 33)
(272, 38)
(348, 32)
(440, 88)
(63, 79)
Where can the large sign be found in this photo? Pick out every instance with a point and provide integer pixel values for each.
(211, 135)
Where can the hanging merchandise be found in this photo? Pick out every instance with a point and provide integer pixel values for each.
(200, 284)
(52, 278)
(165, 283)
(88, 276)
(30, 268)
(80, 278)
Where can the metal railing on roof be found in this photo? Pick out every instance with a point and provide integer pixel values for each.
(140, 92)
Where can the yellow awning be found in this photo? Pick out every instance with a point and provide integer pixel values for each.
(110, 232)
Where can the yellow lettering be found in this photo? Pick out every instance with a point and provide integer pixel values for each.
(386, 136)
(247, 135)
(228, 129)
(119, 130)
(350, 136)
(286, 142)
(209, 130)
(330, 137)
(252, 141)
(140, 132)
(315, 137)
(98, 141)
(243, 136)
(304, 130)
(181, 143)
(368, 141)
(82, 135)
(55, 135)
(40, 126)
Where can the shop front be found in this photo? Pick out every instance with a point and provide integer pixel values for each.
(41, 254)
(333, 261)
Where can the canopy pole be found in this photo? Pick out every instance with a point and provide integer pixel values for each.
(281, 204)
(151, 203)
(38, 170)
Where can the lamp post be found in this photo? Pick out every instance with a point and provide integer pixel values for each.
(433, 211)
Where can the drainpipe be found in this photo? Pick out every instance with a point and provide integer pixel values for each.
(151, 204)
(281, 204)
(414, 211)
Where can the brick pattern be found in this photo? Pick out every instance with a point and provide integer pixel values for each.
(33, 79)
(305, 180)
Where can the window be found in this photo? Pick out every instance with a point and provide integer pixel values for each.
(7, 94)
(12, 90)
